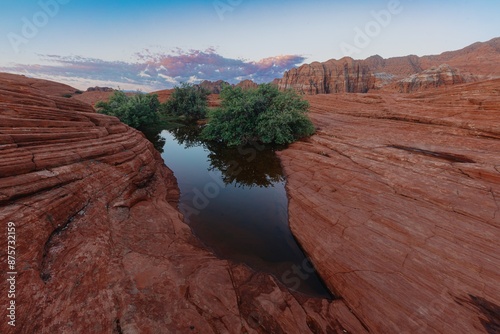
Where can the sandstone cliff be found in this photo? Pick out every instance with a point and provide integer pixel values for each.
(100, 246)
(214, 87)
(443, 75)
(246, 84)
(360, 76)
(342, 76)
(397, 201)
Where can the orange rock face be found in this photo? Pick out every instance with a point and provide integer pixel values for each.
(247, 84)
(343, 76)
(443, 75)
(100, 246)
(406, 74)
(397, 201)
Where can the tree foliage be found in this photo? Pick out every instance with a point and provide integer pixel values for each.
(188, 101)
(262, 114)
(138, 111)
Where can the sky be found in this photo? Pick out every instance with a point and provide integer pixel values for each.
(150, 45)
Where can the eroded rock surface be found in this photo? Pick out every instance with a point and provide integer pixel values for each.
(346, 75)
(334, 76)
(443, 75)
(397, 201)
(101, 247)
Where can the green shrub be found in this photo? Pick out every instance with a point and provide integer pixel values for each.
(262, 114)
(138, 111)
(189, 102)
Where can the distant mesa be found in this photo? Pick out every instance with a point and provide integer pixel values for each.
(247, 84)
(100, 89)
(215, 87)
(404, 74)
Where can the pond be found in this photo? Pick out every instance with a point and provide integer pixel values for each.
(234, 200)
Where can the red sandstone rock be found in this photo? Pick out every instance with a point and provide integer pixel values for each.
(434, 77)
(214, 87)
(164, 95)
(343, 76)
(246, 84)
(359, 76)
(397, 201)
(100, 245)
(92, 97)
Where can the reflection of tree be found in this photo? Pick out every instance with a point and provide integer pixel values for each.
(247, 166)
(189, 136)
(153, 135)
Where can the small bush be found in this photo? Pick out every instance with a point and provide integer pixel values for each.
(67, 96)
(262, 114)
(138, 111)
(189, 102)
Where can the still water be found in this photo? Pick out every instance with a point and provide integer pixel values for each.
(234, 200)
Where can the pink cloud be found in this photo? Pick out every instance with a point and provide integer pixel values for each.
(163, 70)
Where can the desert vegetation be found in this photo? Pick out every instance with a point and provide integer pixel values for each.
(188, 102)
(263, 114)
(138, 111)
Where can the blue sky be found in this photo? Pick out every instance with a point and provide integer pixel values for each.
(151, 45)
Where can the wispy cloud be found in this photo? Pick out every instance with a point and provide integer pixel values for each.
(152, 71)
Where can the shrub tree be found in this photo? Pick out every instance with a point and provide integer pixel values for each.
(262, 114)
(188, 101)
(138, 111)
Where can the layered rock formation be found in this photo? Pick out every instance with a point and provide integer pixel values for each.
(397, 201)
(214, 87)
(246, 84)
(434, 77)
(100, 247)
(359, 76)
(100, 89)
(343, 76)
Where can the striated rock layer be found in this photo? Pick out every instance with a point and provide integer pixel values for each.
(405, 74)
(334, 76)
(100, 247)
(397, 201)
(443, 75)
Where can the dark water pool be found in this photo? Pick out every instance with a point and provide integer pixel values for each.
(236, 204)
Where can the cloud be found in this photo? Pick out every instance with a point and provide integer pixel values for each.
(154, 71)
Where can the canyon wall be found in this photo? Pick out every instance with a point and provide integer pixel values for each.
(342, 76)
(404, 74)
(397, 201)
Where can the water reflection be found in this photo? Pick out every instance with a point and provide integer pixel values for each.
(155, 137)
(234, 200)
(188, 135)
(244, 166)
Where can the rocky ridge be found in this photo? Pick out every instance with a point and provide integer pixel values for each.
(477, 61)
(101, 247)
(443, 75)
